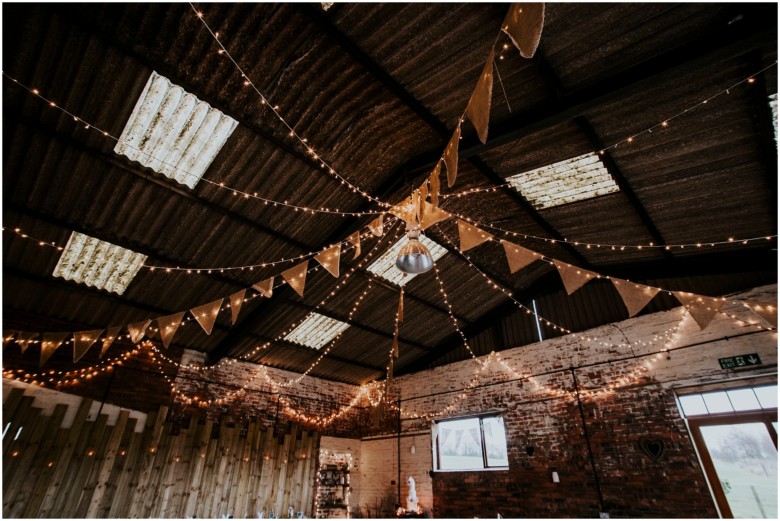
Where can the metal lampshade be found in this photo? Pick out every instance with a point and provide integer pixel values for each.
(414, 257)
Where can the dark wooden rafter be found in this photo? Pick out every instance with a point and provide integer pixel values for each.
(92, 293)
(625, 187)
(140, 248)
(323, 23)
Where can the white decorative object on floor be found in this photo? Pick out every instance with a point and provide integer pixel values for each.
(411, 499)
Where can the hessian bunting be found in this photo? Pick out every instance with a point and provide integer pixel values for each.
(168, 326)
(523, 24)
(354, 240)
(50, 343)
(377, 226)
(83, 340)
(471, 236)
(265, 287)
(635, 296)
(766, 311)
(430, 215)
(478, 109)
(573, 277)
(451, 157)
(518, 257)
(138, 330)
(111, 335)
(24, 339)
(702, 309)
(236, 301)
(435, 183)
(330, 258)
(206, 314)
(296, 277)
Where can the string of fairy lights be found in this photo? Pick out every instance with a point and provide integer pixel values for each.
(76, 376)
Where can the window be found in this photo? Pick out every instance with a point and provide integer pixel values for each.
(735, 433)
(470, 444)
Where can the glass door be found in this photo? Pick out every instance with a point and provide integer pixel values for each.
(739, 453)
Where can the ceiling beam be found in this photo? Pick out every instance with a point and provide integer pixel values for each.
(625, 187)
(324, 23)
(722, 44)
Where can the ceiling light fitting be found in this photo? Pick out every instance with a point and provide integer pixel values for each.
(414, 257)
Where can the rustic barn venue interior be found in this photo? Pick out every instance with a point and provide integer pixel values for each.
(389, 260)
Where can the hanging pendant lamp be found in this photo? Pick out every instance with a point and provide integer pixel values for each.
(414, 257)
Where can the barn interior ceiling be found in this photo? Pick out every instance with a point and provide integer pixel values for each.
(161, 157)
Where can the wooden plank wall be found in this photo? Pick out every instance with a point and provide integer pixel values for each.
(204, 470)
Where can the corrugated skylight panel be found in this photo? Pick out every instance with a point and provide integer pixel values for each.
(575, 179)
(773, 106)
(97, 263)
(316, 330)
(384, 266)
(173, 132)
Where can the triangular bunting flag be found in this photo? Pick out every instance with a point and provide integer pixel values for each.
(354, 240)
(451, 157)
(401, 306)
(265, 287)
(206, 314)
(435, 183)
(236, 301)
(330, 258)
(138, 330)
(523, 24)
(404, 210)
(766, 311)
(24, 339)
(635, 296)
(573, 277)
(702, 309)
(430, 215)
(478, 109)
(168, 326)
(111, 335)
(395, 344)
(82, 341)
(518, 257)
(471, 236)
(377, 226)
(296, 277)
(50, 343)
(424, 190)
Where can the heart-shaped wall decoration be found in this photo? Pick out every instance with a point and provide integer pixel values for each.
(653, 447)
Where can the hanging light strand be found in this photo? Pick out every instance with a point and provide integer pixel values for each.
(220, 185)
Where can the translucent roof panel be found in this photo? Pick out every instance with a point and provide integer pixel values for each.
(575, 179)
(173, 132)
(384, 266)
(97, 263)
(316, 330)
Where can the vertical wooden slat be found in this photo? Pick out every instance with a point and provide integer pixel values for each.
(247, 457)
(280, 481)
(182, 478)
(101, 443)
(150, 452)
(205, 494)
(234, 471)
(163, 460)
(196, 476)
(262, 484)
(24, 447)
(35, 501)
(128, 481)
(62, 461)
(107, 463)
(33, 464)
(112, 492)
(79, 484)
(22, 416)
(10, 404)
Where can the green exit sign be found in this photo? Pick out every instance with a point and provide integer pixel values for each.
(733, 362)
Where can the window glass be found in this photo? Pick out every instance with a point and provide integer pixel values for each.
(767, 396)
(693, 404)
(495, 441)
(743, 400)
(471, 444)
(460, 445)
(717, 402)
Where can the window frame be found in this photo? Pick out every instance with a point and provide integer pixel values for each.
(485, 466)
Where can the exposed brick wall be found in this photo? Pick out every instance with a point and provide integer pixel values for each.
(314, 397)
(544, 414)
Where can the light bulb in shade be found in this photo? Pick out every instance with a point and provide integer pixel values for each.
(414, 257)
